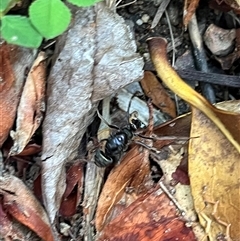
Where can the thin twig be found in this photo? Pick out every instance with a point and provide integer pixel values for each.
(162, 7)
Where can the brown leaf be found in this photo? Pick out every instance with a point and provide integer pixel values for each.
(150, 217)
(72, 195)
(190, 7)
(154, 90)
(214, 176)
(19, 202)
(13, 61)
(31, 105)
(131, 172)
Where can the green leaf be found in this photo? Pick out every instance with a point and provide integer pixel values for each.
(4, 4)
(19, 30)
(83, 3)
(50, 17)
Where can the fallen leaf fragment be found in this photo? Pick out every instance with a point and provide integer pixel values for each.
(13, 62)
(222, 119)
(132, 171)
(74, 186)
(154, 90)
(151, 217)
(214, 175)
(20, 203)
(31, 105)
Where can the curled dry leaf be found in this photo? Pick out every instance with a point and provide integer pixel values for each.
(131, 172)
(214, 175)
(151, 217)
(31, 106)
(93, 59)
(20, 203)
(13, 63)
(154, 90)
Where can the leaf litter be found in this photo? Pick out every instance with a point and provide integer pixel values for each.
(133, 208)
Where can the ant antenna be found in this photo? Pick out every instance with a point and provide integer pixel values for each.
(109, 125)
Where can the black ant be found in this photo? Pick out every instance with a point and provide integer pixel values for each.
(117, 143)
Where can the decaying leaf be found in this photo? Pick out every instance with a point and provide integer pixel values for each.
(131, 172)
(13, 63)
(74, 186)
(94, 58)
(154, 90)
(150, 217)
(20, 203)
(214, 174)
(31, 105)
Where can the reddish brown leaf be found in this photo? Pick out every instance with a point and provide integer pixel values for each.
(12, 58)
(150, 217)
(19, 202)
(31, 105)
(132, 171)
(72, 195)
(154, 90)
(9, 229)
(30, 149)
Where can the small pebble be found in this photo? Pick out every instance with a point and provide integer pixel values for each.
(145, 18)
(139, 22)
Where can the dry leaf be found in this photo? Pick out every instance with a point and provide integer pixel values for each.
(9, 229)
(20, 203)
(150, 217)
(131, 172)
(214, 174)
(13, 63)
(31, 105)
(93, 59)
(154, 90)
(73, 192)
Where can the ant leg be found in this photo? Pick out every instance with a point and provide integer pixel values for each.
(109, 125)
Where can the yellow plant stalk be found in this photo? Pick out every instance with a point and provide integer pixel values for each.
(227, 122)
